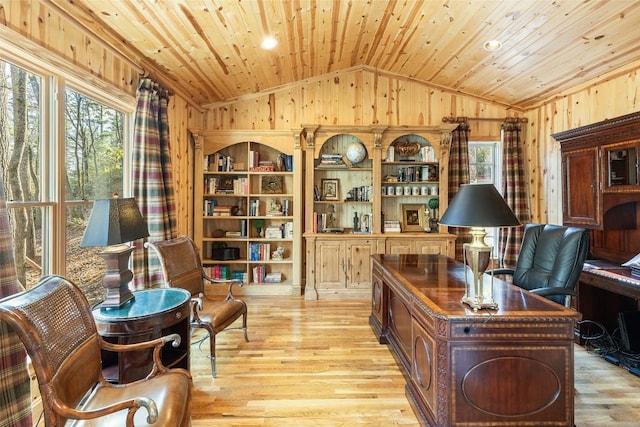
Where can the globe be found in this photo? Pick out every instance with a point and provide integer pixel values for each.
(356, 152)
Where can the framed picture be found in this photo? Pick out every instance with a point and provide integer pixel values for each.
(330, 189)
(412, 217)
(272, 184)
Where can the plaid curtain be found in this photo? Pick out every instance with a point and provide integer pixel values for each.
(15, 392)
(515, 193)
(152, 177)
(458, 175)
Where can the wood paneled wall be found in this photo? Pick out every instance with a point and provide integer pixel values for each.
(611, 96)
(358, 96)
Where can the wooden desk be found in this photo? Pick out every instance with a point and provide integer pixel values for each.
(507, 367)
(604, 291)
(152, 314)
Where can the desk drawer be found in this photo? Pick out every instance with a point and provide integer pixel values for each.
(530, 329)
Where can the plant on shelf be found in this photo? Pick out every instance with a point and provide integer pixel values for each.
(434, 204)
(259, 225)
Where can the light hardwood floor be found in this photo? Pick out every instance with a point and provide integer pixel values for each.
(316, 363)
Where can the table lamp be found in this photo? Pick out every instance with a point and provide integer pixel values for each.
(478, 206)
(113, 223)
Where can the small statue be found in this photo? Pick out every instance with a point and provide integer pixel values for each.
(278, 254)
(331, 217)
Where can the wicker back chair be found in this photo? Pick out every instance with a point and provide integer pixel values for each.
(182, 268)
(55, 324)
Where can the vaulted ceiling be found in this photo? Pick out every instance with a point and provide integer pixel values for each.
(210, 49)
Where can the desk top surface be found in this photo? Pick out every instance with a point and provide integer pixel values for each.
(149, 302)
(438, 282)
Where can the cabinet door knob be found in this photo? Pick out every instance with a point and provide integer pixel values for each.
(179, 315)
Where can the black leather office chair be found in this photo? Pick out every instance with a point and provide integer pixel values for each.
(550, 261)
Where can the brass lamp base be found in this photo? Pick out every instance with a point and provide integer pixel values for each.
(116, 279)
(476, 257)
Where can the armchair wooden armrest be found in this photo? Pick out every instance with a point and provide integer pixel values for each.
(131, 405)
(230, 282)
(156, 344)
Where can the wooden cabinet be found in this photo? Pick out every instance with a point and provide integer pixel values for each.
(601, 190)
(581, 185)
(437, 244)
(248, 209)
(340, 267)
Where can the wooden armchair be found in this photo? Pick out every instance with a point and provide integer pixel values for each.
(55, 324)
(182, 268)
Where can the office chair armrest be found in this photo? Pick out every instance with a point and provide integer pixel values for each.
(553, 291)
(496, 271)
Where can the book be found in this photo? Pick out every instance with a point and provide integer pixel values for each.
(273, 277)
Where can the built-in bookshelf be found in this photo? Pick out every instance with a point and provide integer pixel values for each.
(249, 223)
(369, 189)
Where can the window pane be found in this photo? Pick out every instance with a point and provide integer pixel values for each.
(20, 102)
(94, 158)
(84, 266)
(20, 149)
(484, 173)
(28, 242)
(94, 148)
(484, 154)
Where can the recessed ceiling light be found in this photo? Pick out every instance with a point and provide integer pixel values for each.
(492, 45)
(269, 43)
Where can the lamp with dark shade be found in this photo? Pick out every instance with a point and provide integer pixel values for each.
(478, 206)
(113, 223)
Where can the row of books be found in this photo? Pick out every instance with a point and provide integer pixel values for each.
(283, 163)
(331, 161)
(226, 185)
(211, 208)
(274, 207)
(260, 275)
(219, 162)
(392, 226)
(282, 231)
(259, 251)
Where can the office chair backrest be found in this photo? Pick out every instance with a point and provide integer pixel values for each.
(551, 256)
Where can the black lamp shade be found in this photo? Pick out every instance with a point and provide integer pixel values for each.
(479, 205)
(114, 221)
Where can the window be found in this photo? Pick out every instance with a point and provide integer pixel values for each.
(485, 166)
(50, 185)
(94, 163)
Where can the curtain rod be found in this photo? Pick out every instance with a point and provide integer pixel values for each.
(452, 119)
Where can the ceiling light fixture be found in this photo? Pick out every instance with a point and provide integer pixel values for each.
(492, 45)
(269, 43)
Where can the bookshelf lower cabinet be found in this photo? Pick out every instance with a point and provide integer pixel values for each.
(435, 244)
(339, 266)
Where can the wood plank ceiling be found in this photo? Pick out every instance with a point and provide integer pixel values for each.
(211, 50)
